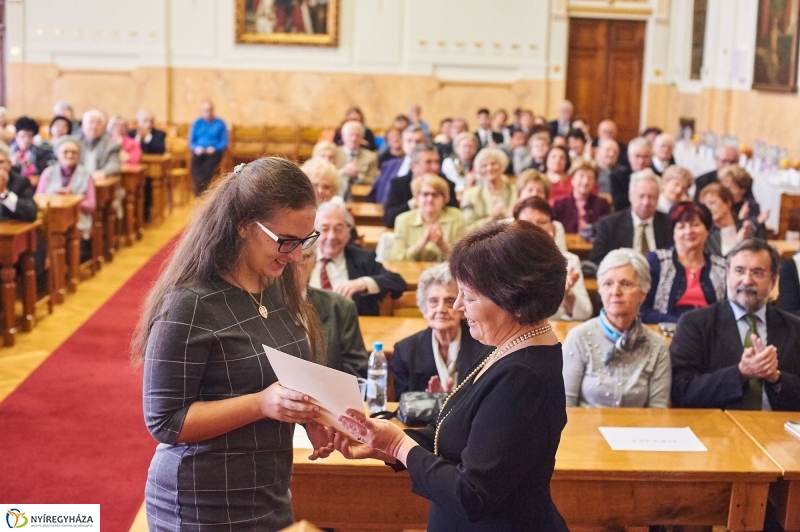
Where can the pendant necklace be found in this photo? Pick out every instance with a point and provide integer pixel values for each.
(260, 303)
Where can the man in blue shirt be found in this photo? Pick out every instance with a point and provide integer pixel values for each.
(208, 141)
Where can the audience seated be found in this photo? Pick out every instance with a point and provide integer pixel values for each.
(582, 125)
(427, 232)
(527, 123)
(606, 157)
(583, 208)
(324, 178)
(517, 150)
(684, 277)
(458, 167)
(493, 196)
(424, 160)
(208, 141)
(6, 128)
(444, 131)
(662, 153)
(726, 155)
(499, 119)
(739, 183)
(325, 150)
(562, 124)
(650, 133)
(151, 140)
(607, 130)
(99, 154)
(63, 108)
(576, 144)
(539, 145)
(415, 119)
(347, 269)
(741, 353)
(675, 184)
(412, 137)
(356, 164)
(789, 285)
(130, 151)
(557, 163)
(486, 137)
(435, 359)
(532, 183)
(576, 304)
(393, 140)
(338, 318)
(16, 191)
(68, 176)
(727, 230)
(30, 160)
(614, 360)
(639, 156)
(457, 126)
(639, 226)
(368, 140)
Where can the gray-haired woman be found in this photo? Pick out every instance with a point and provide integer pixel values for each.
(614, 360)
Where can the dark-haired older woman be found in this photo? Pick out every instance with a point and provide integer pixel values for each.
(739, 183)
(576, 304)
(487, 464)
(490, 200)
(557, 163)
(614, 360)
(684, 277)
(441, 356)
(583, 207)
(728, 229)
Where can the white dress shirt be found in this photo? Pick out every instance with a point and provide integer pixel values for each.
(648, 233)
(337, 274)
(448, 370)
(405, 167)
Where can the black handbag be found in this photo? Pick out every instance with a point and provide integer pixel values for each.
(420, 408)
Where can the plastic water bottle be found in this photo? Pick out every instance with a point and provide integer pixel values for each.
(377, 376)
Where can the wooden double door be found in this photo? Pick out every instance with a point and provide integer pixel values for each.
(604, 72)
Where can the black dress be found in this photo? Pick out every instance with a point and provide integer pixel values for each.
(498, 448)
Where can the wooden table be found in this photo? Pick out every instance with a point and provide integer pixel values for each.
(366, 213)
(157, 168)
(132, 177)
(592, 485)
(410, 271)
(786, 248)
(360, 192)
(578, 246)
(61, 213)
(766, 429)
(17, 245)
(104, 221)
(371, 234)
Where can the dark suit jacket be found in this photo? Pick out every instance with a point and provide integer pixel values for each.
(702, 181)
(706, 351)
(399, 195)
(157, 144)
(554, 129)
(26, 207)
(789, 287)
(380, 188)
(656, 171)
(565, 211)
(343, 342)
(616, 231)
(412, 364)
(620, 178)
(361, 263)
(497, 137)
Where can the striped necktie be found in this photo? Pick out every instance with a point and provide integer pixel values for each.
(324, 280)
(751, 399)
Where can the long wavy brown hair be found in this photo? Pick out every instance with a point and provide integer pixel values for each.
(211, 245)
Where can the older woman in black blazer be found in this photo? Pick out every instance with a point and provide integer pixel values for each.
(437, 358)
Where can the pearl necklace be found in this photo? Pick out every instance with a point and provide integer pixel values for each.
(495, 355)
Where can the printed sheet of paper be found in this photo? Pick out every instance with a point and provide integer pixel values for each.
(332, 390)
(652, 439)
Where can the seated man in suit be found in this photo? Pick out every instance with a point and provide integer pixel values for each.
(639, 226)
(424, 160)
(412, 137)
(662, 153)
(99, 154)
(639, 156)
(151, 140)
(437, 358)
(339, 320)
(740, 353)
(606, 156)
(350, 270)
(356, 164)
(561, 125)
(16, 192)
(486, 137)
(726, 156)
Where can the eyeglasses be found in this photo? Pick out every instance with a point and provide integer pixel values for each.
(287, 245)
(757, 273)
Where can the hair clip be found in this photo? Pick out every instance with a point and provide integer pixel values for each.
(238, 167)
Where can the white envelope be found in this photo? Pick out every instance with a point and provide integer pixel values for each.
(332, 390)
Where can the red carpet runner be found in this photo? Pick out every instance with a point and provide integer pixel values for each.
(73, 432)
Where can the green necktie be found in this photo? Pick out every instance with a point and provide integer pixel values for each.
(751, 400)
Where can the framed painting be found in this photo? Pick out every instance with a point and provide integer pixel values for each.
(304, 22)
(775, 65)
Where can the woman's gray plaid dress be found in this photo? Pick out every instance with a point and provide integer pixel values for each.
(206, 346)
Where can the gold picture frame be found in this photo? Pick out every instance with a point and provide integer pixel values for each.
(293, 22)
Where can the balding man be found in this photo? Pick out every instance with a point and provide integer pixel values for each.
(356, 164)
(151, 140)
(662, 153)
(607, 129)
(208, 141)
(639, 156)
(562, 124)
(99, 154)
(726, 156)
